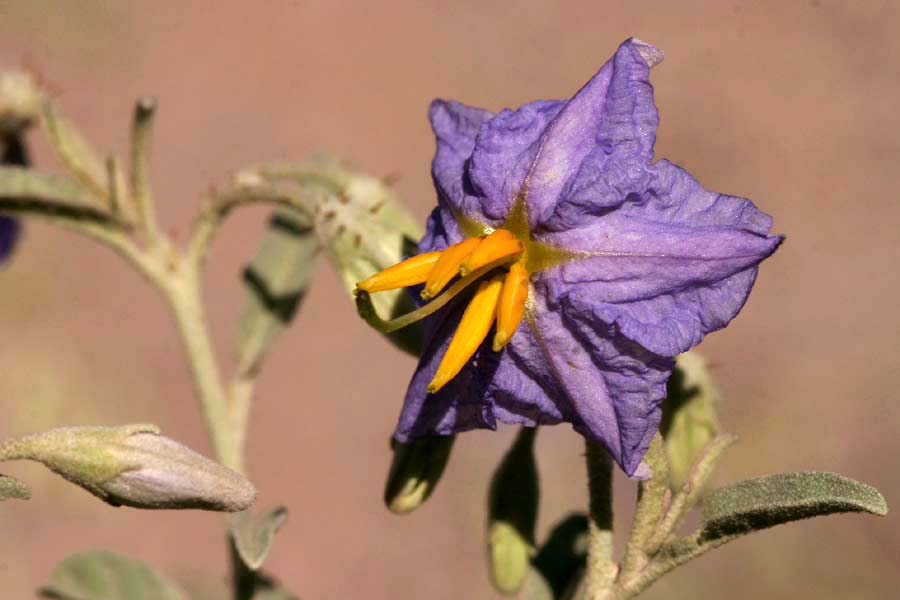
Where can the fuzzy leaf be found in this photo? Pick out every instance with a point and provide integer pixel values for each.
(276, 280)
(253, 535)
(13, 489)
(103, 575)
(690, 419)
(768, 501)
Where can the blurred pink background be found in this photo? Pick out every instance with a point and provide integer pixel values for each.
(792, 104)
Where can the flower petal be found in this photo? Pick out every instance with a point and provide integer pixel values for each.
(672, 263)
(504, 150)
(612, 388)
(455, 126)
(9, 233)
(610, 120)
(460, 405)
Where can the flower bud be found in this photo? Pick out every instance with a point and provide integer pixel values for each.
(415, 471)
(133, 465)
(20, 101)
(512, 514)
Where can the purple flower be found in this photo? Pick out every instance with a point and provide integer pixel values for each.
(9, 233)
(618, 264)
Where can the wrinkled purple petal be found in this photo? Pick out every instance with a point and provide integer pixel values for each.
(505, 149)
(610, 119)
(462, 404)
(9, 233)
(455, 126)
(673, 262)
(612, 387)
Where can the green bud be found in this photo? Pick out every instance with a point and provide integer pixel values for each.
(415, 471)
(133, 465)
(690, 415)
(512, 514)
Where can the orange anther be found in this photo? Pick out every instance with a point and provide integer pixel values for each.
(411, 271)
(499, 244)
(447, 266)
(511, 306)
(473, 328)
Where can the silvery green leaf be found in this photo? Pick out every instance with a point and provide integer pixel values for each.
(13, 489)
(764, 502)
(26, 192)
(276, 281)
(512, 514)
(690, 418)
(560, 560)
(103, 575)
(364, 229)
(358, 222)
(251, 584)
(253, 535)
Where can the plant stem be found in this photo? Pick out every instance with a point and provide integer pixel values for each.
(601, 569)
(226, 432)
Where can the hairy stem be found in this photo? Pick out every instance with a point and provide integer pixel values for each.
(226, 431)
(601, 569)
(653, 496)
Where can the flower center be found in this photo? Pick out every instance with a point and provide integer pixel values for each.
(500, 260)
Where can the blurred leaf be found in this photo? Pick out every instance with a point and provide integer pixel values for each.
(24, 191)
(103, 575)
(78, 155)
(512, 513)
(415, 471)
(253, 535)
(13, 489)
(561, 558)
(276, 280)
(273, 591)
(365, 229)
(354, 218)
(764, 502)
(690, 419)
(254, 585)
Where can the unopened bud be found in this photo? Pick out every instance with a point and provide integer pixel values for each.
(415, 471)
(512, 514)
(133, 465)
(20, 101)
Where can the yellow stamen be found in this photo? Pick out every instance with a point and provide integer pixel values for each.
(447, 266)
(411, 271)
(501, 243)
(511, 306)
(473, 328)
